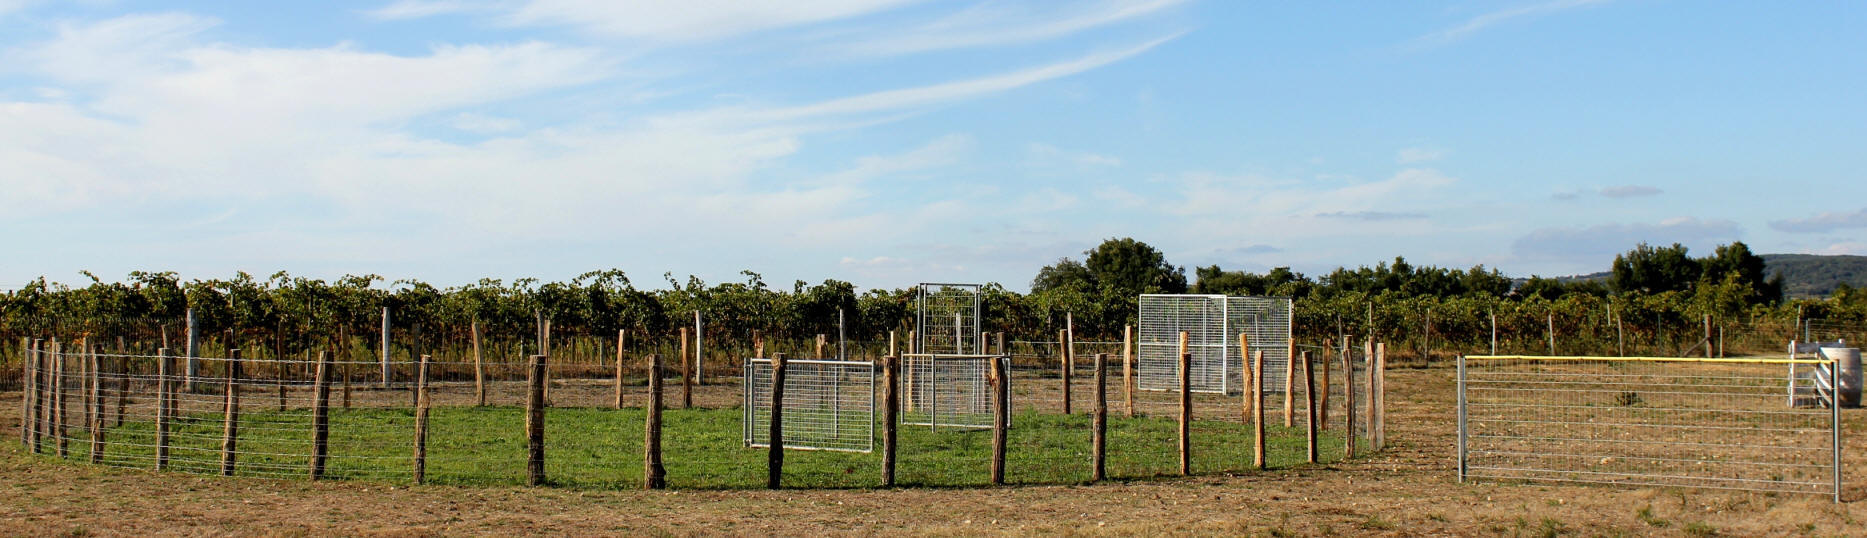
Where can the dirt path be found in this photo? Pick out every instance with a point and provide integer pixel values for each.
(1408, 490)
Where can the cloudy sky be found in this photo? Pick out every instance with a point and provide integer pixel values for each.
(888, 142)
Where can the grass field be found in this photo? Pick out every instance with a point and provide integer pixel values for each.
(1409, 489)
(602, 448)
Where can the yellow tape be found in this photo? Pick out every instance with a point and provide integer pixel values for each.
(1645, 359)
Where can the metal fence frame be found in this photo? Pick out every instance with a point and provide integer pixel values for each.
(1213, 324)
(954, 391)
(934, 304)
(1728, 452)
(807, 386)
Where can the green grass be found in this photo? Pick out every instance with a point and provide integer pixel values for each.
(602, 448)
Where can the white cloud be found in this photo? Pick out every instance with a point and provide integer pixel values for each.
(1823, 222)
(1048, 156)
(415, 9)
(1630, 191)
(1481, 22)
(483, 124)
(692, 20)
(1001, 24)
(1852, 248)
(1419, 155)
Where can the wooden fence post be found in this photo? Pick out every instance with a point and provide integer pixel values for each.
(622, 336)
(35, 428)
(1127, 367)
(1380, 396)
(1367, 351)
(1348, 400)
(421, 422)
(230, 429)
(95, 423)
(687, 372)
(774, 458)
(1099, 440)
(891, 408)
(1063, 362)
(1186, 408)
(1248, 396)
(654, 475)
(1001, 419)
(1322, 405)
(321, 415)
(1257, 412)
(1309, 401)
(61, 404)
(479, 368)
(27, 379)
(123, 380)
(1290, 383)
(535, 422)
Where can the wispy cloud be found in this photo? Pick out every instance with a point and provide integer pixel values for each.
(1824, 222)
(993, 24)
(667, 22)
(1419, 155)
(1371, 216)
(415, 9)
(1593, 245)
(1487, 20)
(1630, 191)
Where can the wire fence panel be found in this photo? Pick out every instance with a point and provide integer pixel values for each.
(1702, 423)
(828, 405)
(947, 320)
(1212, 324)
(947, 390)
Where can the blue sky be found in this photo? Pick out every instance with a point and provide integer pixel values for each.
(888, 142)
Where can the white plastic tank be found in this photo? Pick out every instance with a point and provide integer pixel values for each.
(1848, 373)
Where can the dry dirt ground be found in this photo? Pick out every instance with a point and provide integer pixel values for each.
(1408, 490)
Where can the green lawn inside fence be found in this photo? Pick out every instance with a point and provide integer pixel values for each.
(602, 449)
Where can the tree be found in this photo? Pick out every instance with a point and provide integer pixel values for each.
(1065, 273)
(1648, 269)
(1734, 261)
(1133, 268)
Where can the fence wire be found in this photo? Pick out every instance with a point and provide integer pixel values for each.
(1702, 423)
(828, 405)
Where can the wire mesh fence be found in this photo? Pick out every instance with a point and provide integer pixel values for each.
(828, 405)
(1212, 325)
(1702, 423)
(256, 412)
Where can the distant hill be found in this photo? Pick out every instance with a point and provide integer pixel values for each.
(1812, 275)
(1804, 275)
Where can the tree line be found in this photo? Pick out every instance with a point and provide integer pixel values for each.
(1651, 292)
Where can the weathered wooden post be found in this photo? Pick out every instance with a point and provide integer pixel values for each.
(28, 378)
(35, 428)
(622, 336)
(1063, 364)
(535, 422)
(230, 429)
(96, 418)
(383, 340)
(774, 458)
(654, 475)
(61, 404)
(1099, 439)
(1186, 408)
(687, 372)
(1367, 350)
(1247, 395)
(891, 409)
(1257, 412)
(479, 368)
(1127, 367)
(1380, 396)
(1322, 405)
(1001, 419)
(1309, 400)
(421, 422)
(321, 415)
(1348, 399)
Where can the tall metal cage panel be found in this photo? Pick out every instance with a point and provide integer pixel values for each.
(948, 390)
(1212, 324)
(828, 405)
(947, 320)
